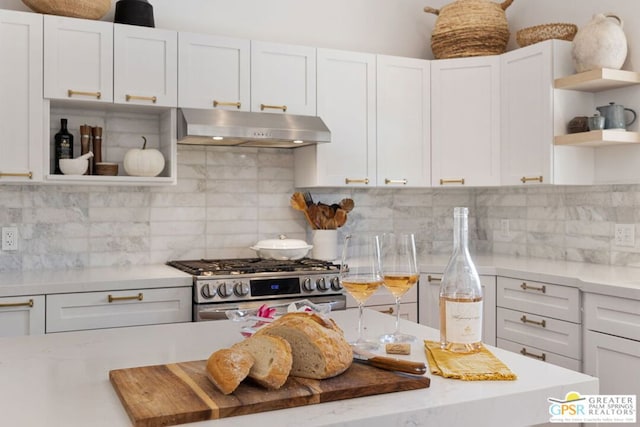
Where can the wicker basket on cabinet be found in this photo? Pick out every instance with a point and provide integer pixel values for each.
(539, 33)
(88, 9)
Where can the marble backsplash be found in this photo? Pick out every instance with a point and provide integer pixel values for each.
(228, 198)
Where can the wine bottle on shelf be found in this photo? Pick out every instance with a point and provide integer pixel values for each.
(63, 145)
(461, 294)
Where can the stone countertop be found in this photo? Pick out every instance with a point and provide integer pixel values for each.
(62, 380)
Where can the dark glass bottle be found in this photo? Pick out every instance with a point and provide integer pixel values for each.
(63, 145)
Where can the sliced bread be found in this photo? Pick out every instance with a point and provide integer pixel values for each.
(318, 345)
(226, 368)
(272, 356)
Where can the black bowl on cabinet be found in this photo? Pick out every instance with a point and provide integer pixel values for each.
(134, 12)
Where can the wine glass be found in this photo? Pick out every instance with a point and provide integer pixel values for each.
(361, 276)
(400, 273)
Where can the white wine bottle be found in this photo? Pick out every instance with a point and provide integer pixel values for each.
(461, 294)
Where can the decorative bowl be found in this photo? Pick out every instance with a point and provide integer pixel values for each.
(102, 168)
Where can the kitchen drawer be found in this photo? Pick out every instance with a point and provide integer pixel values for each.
(22, 315)
(545, 299)
(95, 310)
(557, 336)
(612, 315)
(536, 353)
(408, 311)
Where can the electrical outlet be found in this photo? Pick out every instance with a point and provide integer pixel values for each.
(504, 227)
(625, 235)
(9, 238)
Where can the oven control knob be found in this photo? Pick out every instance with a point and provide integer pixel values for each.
(309, 285)
(335, 284)
(224, 290)
(205, 291)
(322, 284)
(241, 289)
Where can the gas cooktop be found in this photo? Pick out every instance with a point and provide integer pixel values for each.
(219, 267)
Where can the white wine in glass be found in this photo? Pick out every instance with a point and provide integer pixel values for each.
(361, 276)
(400, 273)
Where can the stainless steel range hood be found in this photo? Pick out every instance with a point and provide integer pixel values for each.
(241, 128)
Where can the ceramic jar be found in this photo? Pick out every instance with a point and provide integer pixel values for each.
(601, 43)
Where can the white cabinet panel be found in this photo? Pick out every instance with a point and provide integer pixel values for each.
(283, 78)
(347, 105)
(22, 316)
(95, 310)
(612, 315)
(539, 354)
(145, 66)
(78, 59)
(403, 122)
(21, 107)
(465, 121)
(214, 72)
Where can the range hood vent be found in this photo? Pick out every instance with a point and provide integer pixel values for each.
(246, 129)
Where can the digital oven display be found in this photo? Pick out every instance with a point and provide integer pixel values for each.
(284, 286)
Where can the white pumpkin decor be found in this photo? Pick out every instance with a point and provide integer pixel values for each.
(143, 162)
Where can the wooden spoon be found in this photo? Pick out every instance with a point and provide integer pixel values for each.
(347, 204)
(298, 203)
(340, 217)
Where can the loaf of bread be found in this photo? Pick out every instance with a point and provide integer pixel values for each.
(318, 345)
(272, 359)
(226, 368)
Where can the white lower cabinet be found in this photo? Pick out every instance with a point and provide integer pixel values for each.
(22, 316)
(429, 305)
(384, 302)
(96, 310)
(540, 320)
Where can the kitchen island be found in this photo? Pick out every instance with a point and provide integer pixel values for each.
(63, 380)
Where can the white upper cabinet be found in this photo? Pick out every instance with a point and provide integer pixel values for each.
(21, 107)
(145, 64)
(532, 111)
(283, 78)
(465, 121)
(78, 59)
(213, 72)
(403, 125)
(347, 105)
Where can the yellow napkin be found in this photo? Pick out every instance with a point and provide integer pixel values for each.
(479, 366)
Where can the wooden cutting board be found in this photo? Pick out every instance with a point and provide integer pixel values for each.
(178, 393)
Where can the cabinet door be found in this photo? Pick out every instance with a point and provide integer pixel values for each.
(21, 316)
(213, 72)
(347, 104)
(145, 66)
(465, 121)
(283, 78)
(78, 59)
(403, 126)
(21, 107)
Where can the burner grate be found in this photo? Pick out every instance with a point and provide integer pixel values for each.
(212, 267)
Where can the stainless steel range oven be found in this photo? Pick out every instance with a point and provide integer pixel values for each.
(232, 284)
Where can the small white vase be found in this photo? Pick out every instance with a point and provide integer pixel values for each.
(601, 43)
(325, 245)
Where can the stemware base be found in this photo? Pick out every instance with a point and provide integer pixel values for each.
(397, 337)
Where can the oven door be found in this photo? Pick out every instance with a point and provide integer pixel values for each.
(217, 311)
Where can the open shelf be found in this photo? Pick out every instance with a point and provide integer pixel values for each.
(598, 80)
(108, 180)
(598, 138)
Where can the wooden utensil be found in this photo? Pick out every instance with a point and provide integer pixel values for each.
(347, 204)
(298, 203)
(340, 217)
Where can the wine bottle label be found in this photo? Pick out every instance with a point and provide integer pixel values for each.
(464, 322)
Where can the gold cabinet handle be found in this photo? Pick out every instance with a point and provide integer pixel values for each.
(22, 174)
(273, 107)
(526, 287)
(153, 99)
(138, 297)
(542, 356)
(452, 181)
(387, 311)
(18, 304)
(526, 179)
(356, 181)
(542, 323)
(395, 181)
(431, 278)
(71, 93)
(226, 104)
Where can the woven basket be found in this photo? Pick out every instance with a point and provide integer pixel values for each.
(88, 9)
(470, 28)
(539, 33)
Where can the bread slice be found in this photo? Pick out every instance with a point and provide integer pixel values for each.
(272, 357)
(318, 345)
(226, 368)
